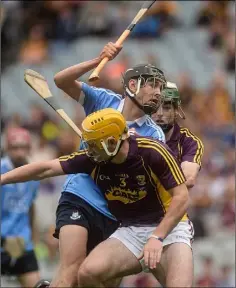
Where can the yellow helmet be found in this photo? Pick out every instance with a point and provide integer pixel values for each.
(102, 124)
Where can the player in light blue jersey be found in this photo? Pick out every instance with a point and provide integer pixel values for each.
(17, 213)
(83, 219)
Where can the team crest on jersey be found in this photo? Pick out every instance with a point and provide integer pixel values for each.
(141, 180)
(75, 215)
(126, 196)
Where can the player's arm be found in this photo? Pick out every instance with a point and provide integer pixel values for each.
(190, 170)
(66, 79)
(192, 152)
(178, 207)
(77, 162)
(33, 171)
(168, 171)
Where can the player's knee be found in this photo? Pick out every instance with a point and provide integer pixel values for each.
(89, 275)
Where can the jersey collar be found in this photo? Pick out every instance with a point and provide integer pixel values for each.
(176, 133)
(139, 121)
(133, 147)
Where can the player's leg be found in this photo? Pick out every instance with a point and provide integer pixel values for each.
(73, 249)
(26, 269)
(176, 266)
(72, 230)
(29, 279)
(108, 227)
(111, 259)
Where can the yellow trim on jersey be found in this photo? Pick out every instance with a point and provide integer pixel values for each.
(164, 195)
(172, 165)
(153, 182)
(175, 170)
(71, 156)
(200, 149)
(93, 173)
(180, 149)
(96, 180)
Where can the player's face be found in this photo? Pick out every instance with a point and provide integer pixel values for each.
(150, 93)
(94, 152)
(18, 154)
(165, 114)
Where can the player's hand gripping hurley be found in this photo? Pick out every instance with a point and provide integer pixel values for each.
(147, 4)
(39, 84)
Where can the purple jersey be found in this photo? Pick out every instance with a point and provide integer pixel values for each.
(185, 145)
(137, 189)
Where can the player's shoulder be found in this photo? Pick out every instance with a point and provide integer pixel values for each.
(155, 130)
(187, 135)
(100, 90)
(148, 146)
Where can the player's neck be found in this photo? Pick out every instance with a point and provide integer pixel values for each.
(122, 154)
(169, 133)
(131, 111)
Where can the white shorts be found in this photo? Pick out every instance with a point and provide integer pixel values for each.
(134, 238)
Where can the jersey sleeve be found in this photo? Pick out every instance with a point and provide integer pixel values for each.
(165, 166)
(192, 150)
(97, 98)
(77, 162)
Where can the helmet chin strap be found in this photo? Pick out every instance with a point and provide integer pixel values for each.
(147, 109)
(166, 127)
(114, 155)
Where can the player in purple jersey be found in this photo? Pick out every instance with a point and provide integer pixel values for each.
(150, 201)
(187, 147)
(142, 88)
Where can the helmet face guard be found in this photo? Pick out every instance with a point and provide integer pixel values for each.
(170, 95)
(143, 74)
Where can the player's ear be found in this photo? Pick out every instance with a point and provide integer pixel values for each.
(133, 85)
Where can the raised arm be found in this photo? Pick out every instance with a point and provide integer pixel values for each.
(34, 171)
(66, 79)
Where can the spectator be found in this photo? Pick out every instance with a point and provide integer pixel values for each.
(217, 31)
(218, 99)
(97, 22)
(122, 20)
(207, 279)
(34, 50)
(228, 211)
(166, 12)
(230, 53)
(225, 278)
(212, 10)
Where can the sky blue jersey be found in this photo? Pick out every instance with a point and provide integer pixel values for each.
(94, 99)
(16, 200)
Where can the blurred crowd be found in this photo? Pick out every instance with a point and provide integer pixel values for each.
(218, 18)
(30, 30)
(30, 35)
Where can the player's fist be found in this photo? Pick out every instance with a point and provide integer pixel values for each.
(110, 50)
